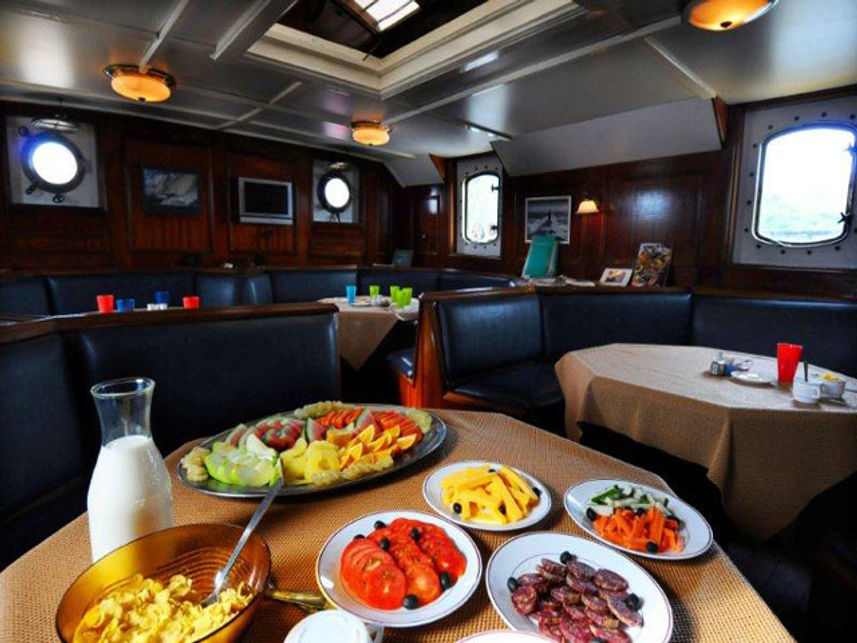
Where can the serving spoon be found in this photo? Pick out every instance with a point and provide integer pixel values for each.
(222, 575)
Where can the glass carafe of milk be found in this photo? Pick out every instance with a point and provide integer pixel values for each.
(130, 494)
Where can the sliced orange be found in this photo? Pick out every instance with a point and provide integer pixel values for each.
(368, 434)
(405, 443)
(393, 432)
(381, 443)
(351, 455)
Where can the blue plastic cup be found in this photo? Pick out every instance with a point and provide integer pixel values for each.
(351, 293)
(129, 304)
(121, 305)
(162, 297)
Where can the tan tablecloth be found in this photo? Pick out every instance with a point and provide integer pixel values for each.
(768, 456)
(710, 598)
(362, 329)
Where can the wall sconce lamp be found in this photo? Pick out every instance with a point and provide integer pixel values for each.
(587, 205)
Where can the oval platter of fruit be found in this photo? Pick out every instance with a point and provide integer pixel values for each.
(399, 568)
(315, 448)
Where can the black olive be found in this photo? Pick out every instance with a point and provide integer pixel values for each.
(597, 640)
(564, 557)
(415, 533)
(411, 602)
(446, 580)
(537, 491)
(590, 514)
(456, 507)
(640, 511)
(380, 524)
(492, 470)
(503, 509)
(359, 536)
(633, 602)
(512, 583)
(652, 547)
(385, 544)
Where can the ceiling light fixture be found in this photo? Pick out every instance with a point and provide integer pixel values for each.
(370, 133)
(725, 15)
(587, 206)
(150, 86)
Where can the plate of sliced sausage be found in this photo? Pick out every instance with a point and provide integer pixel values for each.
(570, 589)
(399, 568)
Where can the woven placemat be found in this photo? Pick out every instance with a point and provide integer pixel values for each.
(710, 598)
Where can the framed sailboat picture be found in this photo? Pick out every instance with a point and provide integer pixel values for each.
(548, 215)
(170, 191)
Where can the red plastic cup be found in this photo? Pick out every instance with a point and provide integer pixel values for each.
(788, 357)
(191, 301)
(105, 303)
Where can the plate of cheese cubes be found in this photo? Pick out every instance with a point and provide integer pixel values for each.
(487, 495)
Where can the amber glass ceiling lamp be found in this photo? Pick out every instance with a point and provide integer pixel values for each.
(150, 86)
(725, 15)
(370, 133)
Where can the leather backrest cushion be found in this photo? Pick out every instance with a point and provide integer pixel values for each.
(24, 296)
(574, 321)
(827, 330)
(420, 280)
(460, 280)
(218, 289)
(76, 293)
(256, 290)
(309, 285)
(42, 444)
(209, 376)
(480, 334)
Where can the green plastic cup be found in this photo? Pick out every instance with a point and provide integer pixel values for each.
(405, 296)
(394, 294)
(374, 290)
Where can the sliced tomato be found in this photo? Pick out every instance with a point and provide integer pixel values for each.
(353, 549)
(385, 587)
(423, 582)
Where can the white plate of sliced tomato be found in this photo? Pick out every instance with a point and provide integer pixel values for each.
(636, 534)
(399, 568)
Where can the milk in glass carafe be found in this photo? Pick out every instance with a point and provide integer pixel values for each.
(130, 494)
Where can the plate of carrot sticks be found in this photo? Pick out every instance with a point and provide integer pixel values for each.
(638, 519)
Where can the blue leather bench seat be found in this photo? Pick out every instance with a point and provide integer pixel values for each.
(46, 451)
(24, 296)
(211, 375)
(826, 329)
(464, 280)
(419, 280)
(531, 386)
(308, 284)
(76, 293)
(402, 361)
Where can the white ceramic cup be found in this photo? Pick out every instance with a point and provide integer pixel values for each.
(806, 392)
(832, 388)
(334, 625)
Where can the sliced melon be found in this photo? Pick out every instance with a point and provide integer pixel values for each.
(314, 431)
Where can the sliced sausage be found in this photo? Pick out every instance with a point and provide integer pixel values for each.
(603, 620)
(580, 570)
(524, 599)
(606, 595)
(580, 586)
(611, 636)
(546, 614)
(549, 604)
(565, 595)
(611, 581)
(550, 576)
(575, 631)
(624, 613)
(554, 568)
(575, 613)
(595, 603)
(530, 579)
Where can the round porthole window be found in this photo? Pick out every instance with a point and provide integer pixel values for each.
(52, 163)
(334, 192)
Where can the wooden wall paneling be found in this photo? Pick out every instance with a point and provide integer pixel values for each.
(426, 213)
(259, 239)
(168, 232)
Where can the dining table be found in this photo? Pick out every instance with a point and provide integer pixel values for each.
(767, 454)
(363, 325)
(710, 599)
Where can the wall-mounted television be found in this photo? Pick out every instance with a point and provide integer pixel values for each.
(264, 201)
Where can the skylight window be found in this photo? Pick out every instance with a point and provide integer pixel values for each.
(386, 13)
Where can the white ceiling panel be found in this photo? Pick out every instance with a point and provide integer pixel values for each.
(426, 134)
(208, 20)
(684, 127)
(61, 55)
(315, 97)
(147, 15)
(620, 79)
(799, 46)
(417, 171)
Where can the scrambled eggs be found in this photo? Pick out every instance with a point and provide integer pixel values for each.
(144, 610)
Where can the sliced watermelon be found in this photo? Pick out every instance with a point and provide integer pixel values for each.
(314, 431)
(236, 434)
(366, 419)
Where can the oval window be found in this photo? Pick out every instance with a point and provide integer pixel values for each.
(334, 192)
(52, 163)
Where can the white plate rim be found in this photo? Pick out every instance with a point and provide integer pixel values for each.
(741, 376)
(657, 585)
(534, 518)
(414, 515)
(685, 555)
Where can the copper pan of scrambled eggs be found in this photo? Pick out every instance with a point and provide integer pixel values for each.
(154, 585)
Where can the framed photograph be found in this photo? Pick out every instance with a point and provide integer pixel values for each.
(170, 191)
(653, 264)
(615, 277)
(548, 215)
